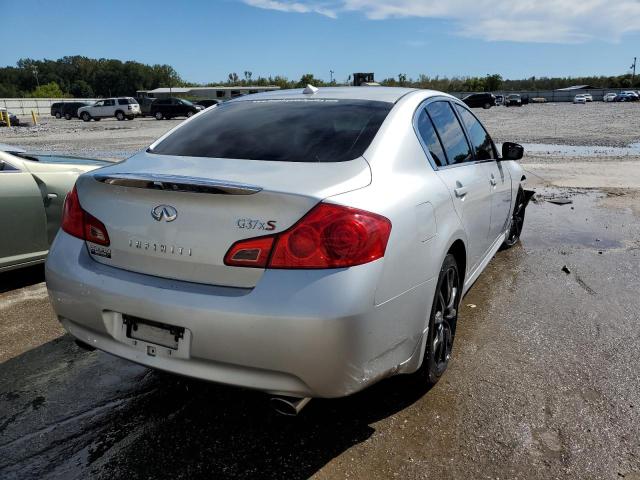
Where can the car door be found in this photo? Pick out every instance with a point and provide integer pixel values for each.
(23, 222)
(496, 174)
(109, 108)
(97, 109)
(464, 177)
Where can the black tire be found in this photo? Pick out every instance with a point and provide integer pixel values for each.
(67, 116)
(486, 106)
(158, 115)
(58, 115)
(517, 221)
(442, 322)
(85, 116)
(120, 115)
(189, 114)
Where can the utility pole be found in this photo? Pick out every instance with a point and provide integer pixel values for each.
(331, 72)
(633, 70)
(35, 72)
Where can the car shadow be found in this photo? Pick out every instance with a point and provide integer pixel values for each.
(22, 277)
(103, 417)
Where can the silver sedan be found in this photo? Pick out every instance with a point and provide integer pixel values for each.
(306, 243)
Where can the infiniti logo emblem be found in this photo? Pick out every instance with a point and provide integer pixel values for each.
(164, 212)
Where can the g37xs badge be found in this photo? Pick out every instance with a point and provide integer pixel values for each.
(252, 224)
(165, 213)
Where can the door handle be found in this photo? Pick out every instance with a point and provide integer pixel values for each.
(49, 198)
(460, 190)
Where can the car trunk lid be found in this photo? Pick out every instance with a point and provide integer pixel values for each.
(176, 217)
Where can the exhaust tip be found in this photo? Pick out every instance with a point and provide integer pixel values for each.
(288, 406)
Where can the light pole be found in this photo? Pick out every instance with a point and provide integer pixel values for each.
(34, 69)
(633, 70)
(331, 72)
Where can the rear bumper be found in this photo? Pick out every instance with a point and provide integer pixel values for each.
(301, 333)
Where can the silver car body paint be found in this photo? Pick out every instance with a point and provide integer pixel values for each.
(320, 333)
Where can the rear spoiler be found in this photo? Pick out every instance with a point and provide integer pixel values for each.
(176, 183)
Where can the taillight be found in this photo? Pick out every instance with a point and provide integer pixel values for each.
(329, 236)
(80, 224)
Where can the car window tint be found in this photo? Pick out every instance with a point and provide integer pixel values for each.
(450, 131)
(290, 130)
(478, 136)
(430, 139)
(109, 103)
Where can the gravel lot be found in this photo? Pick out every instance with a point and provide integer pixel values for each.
(544, 380)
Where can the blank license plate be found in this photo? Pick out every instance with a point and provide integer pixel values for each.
(153, 332)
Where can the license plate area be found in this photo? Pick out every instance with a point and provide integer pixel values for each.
(150, 331)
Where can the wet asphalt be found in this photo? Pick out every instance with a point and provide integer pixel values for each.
(544, 383)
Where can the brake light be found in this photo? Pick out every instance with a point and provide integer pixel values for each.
(81, 224)
(329, 236)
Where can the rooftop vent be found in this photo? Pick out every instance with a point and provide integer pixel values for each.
(310, 90)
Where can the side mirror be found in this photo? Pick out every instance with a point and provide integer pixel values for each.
(512, 151)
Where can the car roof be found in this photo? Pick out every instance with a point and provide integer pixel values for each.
(381, 94)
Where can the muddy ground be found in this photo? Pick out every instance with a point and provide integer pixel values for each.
(544, 381)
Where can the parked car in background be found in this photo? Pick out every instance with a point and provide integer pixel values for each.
(588, 97)
(32, 191)
(499, 99)
(480, 100)
(580, 98)
(206, 103)
(70, 109)
(121, 108)
(56, 109)
(627, 96)
(145, 105)
(609, 97)
(513, 100)
(272, 242)
(12, 118)
(173, 107)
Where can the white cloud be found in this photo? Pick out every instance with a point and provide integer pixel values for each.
(552, 21)
(296, 7)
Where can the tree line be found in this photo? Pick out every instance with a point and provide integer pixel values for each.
(78, 76)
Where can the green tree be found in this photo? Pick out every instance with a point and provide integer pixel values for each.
(49, 90)
(493, 82)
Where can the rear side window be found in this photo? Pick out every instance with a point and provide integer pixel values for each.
(288, 130)
(126, 101)
(478, 136)
(450, 132)
(430, 139)
(109, 103)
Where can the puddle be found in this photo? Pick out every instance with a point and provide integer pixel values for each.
(581, 223)
(582, 150)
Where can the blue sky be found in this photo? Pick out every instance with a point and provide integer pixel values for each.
(205, 40)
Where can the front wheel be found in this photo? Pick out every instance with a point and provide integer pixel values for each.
(85, 116)
(158, 115)
(189, 114)
(442, 322)
(120, 116)
(517, 220)
(58, 115)
(486, 106)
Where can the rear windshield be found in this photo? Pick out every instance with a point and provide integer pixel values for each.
(288, 130)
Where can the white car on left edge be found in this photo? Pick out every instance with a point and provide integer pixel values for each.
(121, 108)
